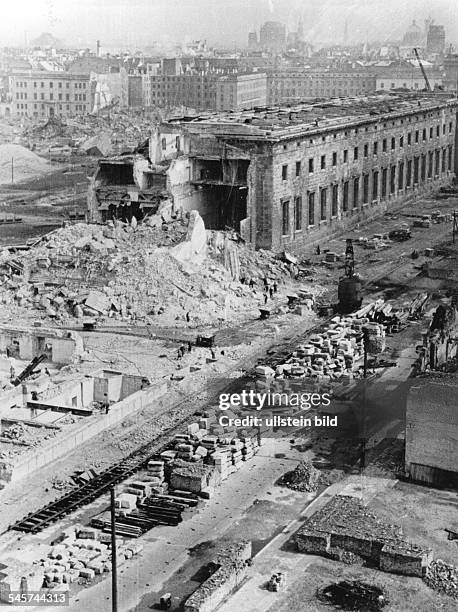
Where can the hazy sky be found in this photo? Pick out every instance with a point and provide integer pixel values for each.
(135, 23)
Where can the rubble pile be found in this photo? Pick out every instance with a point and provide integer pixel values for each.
(304, 478)
(125, 272)
(349, 515)
(354, 595)
(126, 129)
(442, 577)
(22, 162)
(24, 435)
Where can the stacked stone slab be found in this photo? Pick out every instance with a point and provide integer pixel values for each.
(83, 554)
(156, 474)
(336, 352)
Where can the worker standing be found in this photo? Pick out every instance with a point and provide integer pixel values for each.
(106, 403)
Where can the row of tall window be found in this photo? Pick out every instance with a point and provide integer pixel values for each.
(50, 96)
(364, 189)
(24, 84)
(386, 144)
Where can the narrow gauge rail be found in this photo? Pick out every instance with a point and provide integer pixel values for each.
(34, 522)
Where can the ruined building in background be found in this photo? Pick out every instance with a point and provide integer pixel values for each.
(286, 177)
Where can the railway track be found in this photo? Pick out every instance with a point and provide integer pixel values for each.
(84, 494)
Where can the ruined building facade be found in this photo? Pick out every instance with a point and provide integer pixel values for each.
(286, 178)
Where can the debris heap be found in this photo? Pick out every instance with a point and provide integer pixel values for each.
(443, 577)
(131, 273)
(354, 595)
(305, 478)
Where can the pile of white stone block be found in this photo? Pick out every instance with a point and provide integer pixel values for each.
(84, 553)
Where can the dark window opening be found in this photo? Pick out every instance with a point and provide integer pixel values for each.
(285, 218)
(366, 189)
(312, 208)
(345, 196)
(401, 176)
(335, 199)
(375, 185)
(323, 203)
(355, 192)
(298, 214)
(392, 179)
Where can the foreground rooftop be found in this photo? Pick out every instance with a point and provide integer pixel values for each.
(277, 122)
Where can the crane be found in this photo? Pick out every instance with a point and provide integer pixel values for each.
(423, 71)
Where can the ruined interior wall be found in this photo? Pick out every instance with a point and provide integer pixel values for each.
(189, 197)
(141, 166)
(432, 425)
(93, 213)
(63, 350)
(130, 384)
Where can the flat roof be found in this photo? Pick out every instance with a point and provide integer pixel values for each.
(274, 123)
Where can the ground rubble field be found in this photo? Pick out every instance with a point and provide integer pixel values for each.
(195, 386)
(121, 273)
(402, 592)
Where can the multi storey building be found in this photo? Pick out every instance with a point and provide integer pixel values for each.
(46, 94)
(294, 84)
(286, 178)
(239, 91)
(272, 36)
(205, 90)
(435, 41)
(407, 77)
(451, 72)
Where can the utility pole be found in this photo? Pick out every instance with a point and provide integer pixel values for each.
(364, 398)
(455, 225)
(114, 576)
(12, 170)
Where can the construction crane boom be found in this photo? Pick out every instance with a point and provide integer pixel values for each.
(423, 71)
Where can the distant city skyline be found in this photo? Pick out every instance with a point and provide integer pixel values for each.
(134, 24)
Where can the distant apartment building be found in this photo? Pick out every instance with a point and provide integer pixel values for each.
(272, 36)
(451, 72)
(135, 90)
(238, 91)
(407, 78)
(435, 40)
(295, 84)
(196, 91)
(49, 94)
(252, 40)
(205, 91)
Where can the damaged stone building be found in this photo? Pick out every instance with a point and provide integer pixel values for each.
(285, 178)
